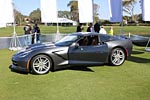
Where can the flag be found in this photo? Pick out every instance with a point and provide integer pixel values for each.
(9, 11)
(85, 11)
(6, 12)
(145, 5)
(115, 7)
(2, 13)
(48, 11)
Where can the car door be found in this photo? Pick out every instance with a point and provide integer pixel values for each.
(89, 54)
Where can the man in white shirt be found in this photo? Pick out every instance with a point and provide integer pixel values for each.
(102, 30)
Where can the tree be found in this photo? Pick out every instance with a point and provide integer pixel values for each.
(128, 7)
(19, 18)
(35, 16)
(96, 7)
(64, 14)
(74, 10)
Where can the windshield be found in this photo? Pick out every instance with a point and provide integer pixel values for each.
(67, 40)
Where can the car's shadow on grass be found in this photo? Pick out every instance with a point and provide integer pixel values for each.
(74, 68)
(137, 52)
(138, 59)
(77, 68)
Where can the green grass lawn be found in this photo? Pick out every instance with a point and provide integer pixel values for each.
(131, 81)
(144, 30)
(8, 31)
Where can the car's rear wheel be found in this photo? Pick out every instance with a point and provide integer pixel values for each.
(41, 64)
(117, 57)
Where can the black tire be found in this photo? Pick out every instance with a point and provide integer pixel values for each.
(117, 57)
(41, 64)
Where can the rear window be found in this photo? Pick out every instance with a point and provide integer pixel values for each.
(106, 38)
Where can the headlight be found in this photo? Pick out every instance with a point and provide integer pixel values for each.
(23, 54)
(23, 49)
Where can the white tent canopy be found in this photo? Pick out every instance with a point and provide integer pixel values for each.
(64, 20)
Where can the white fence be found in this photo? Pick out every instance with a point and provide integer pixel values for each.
(26, 39)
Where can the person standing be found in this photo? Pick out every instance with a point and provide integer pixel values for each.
(97, 27)
(36, 34)
(111, 32)
(90, 28)
(102, 30)
(27, 31)
(79, 28)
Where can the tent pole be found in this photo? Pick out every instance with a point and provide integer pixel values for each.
(122, 30)
(57, 20)
(93, 15)
(57, 26)
(146, 48)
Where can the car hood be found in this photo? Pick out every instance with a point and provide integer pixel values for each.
(33, 48)
(40, 46)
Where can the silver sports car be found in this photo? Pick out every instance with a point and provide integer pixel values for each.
(76, 49)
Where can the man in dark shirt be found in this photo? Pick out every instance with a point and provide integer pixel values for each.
(79, 28)
(27, 29)
(97, 27)
(36, 31)
(89, 29)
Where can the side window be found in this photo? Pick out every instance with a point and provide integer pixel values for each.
(105, 38)
(94, 40)
(89, 40)
(84, 41)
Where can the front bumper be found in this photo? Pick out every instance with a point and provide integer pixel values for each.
(19, 69)
(19, 65)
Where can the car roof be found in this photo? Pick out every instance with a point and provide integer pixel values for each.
(85, 33)
(89, 33)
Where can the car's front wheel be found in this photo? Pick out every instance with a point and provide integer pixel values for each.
(41, 64)
(117, 57)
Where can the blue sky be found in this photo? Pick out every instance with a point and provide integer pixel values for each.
(26, 6)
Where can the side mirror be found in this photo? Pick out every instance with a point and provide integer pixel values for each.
(101, 43)
(76, 45)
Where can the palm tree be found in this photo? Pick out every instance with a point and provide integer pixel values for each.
(74, 10)
(128, 7)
